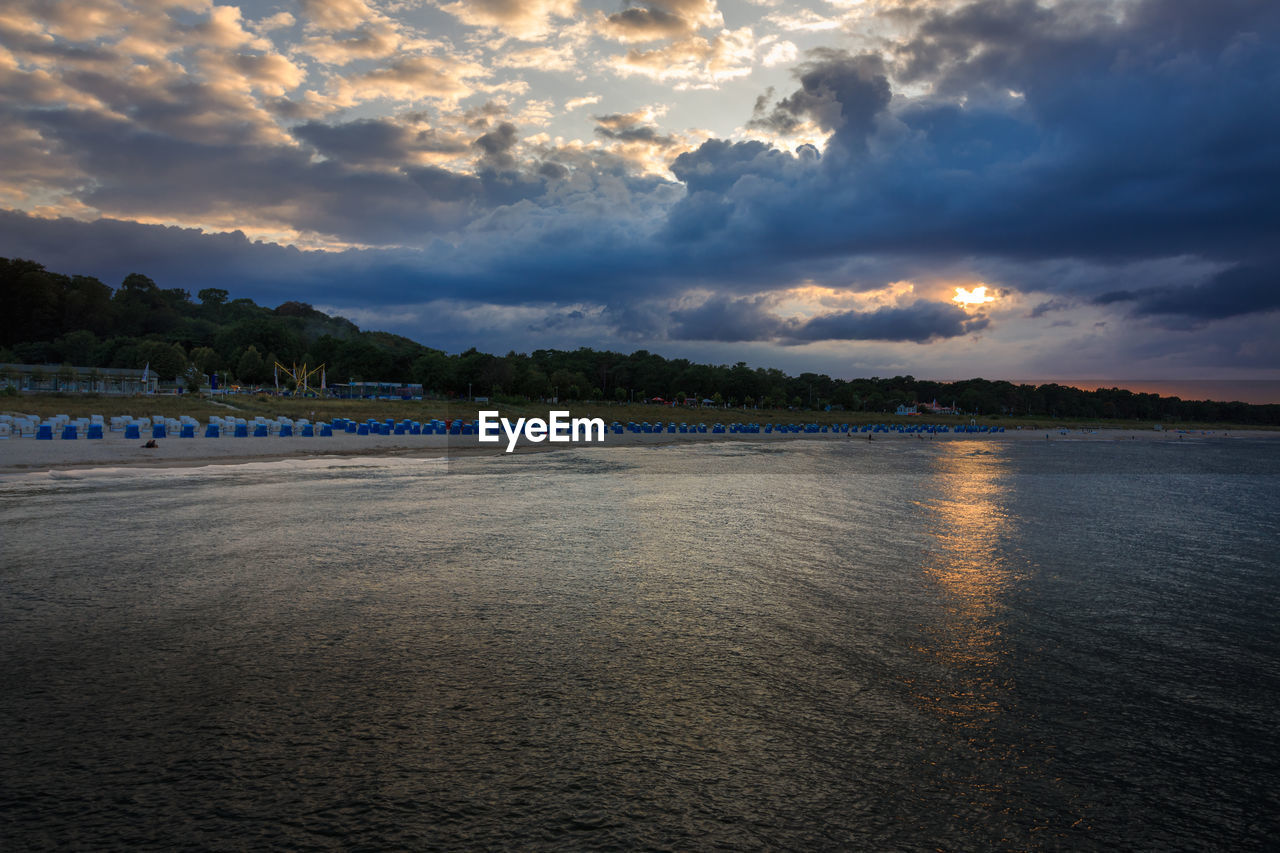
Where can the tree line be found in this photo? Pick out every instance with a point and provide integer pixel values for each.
(52, 318)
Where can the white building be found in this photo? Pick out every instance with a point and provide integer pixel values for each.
(81, 380)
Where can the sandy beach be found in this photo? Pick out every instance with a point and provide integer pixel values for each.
(27, 455)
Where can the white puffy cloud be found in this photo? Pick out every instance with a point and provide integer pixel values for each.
(530, 20)
(371, 41)
(411, 79)
(339, 15)
(661, 19)
(224, 29)
(693, 62)
(779, 53)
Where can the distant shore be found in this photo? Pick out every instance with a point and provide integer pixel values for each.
(28, 455)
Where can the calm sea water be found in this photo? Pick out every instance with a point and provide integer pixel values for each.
(963, 645)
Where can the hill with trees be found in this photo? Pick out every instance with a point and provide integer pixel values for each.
(52, 318)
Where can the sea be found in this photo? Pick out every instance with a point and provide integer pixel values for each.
(789, 645)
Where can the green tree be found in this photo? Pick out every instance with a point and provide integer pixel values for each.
(205, 359)
(561, 380)
(362, 359)
(265, 332)
(34, 352)
(191, 379)
(250, 368)
(180, 362)
(30, 298)
(86, 305)
(78, 347)
(272, 372)
(741, 383)
(535, 383)
(142, 307)
(167, 360)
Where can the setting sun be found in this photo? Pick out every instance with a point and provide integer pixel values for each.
(976, 296)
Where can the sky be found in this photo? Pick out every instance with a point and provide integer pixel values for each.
(1003, 188)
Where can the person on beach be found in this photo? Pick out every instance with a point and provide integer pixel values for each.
(151, 444)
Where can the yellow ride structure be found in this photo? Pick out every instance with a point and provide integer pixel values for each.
(302, 377)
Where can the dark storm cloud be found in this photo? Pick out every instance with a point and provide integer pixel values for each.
(710, 173)
(716, 165)
(1238, 291)
(482, 269)
(174, 257)
(558, 320)
(919, 322)
(838, 92)
(1061, 135)
(373, 141)
(1132, 137)
(657, 19)
(1053, 135)
(479, 118)
(499, 171)
(647, 23)
(444, 184)
(553, 171)
(722, 318)
(1047, 306)
(495, 148)
(626, 127)
(156, 175)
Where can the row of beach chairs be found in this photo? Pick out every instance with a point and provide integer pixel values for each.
(159, 426)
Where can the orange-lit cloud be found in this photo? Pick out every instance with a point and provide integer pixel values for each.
(972, 296)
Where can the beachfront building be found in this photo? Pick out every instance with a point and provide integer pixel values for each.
(926, 409)
(935, 409)
(377, 390)
(69, 379)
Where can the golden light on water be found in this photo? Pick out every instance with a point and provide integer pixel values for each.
(966, 682)
(966, 521)
(972, 296)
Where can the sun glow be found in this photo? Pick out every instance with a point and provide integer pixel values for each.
(976, 296)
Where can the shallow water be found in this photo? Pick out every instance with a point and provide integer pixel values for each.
(911, 645)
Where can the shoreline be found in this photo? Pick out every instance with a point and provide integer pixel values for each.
(27, 455)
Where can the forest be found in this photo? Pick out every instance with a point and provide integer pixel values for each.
(50, 318)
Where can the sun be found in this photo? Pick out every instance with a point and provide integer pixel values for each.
(976, 296)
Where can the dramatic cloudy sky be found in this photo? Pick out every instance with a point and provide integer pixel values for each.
(795, 184)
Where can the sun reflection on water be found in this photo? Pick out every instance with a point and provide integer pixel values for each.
(966, 646)
(966, 519)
